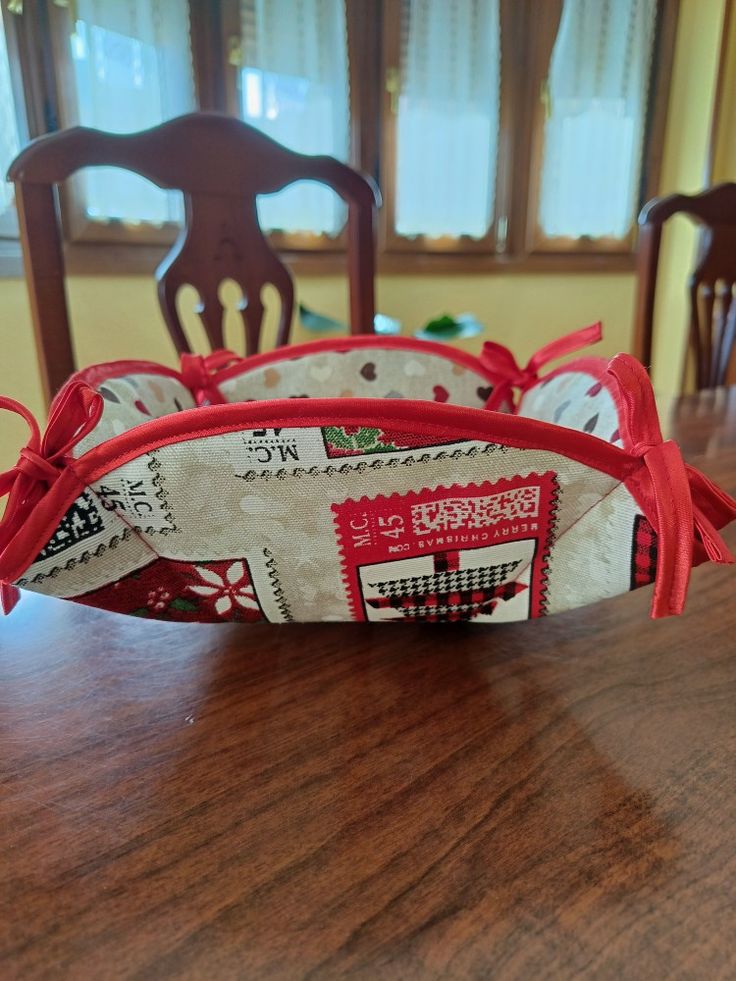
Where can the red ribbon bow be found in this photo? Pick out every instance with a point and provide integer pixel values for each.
(506, 374)
(198, 374)
(73, 415)
(687, 503)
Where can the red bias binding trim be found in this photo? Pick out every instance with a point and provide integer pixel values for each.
(684, 505)
(447, 423)
(714, 504)
(9, 596)
(506, 374)
(74, 413)
(98, 374)
(682, 496)
(292, 352)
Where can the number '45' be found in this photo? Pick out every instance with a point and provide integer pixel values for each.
(392, 526)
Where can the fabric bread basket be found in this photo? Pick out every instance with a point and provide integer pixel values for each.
(356, 479)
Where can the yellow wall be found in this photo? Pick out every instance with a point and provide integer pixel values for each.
(724, 157)
(687, 139)
(117, 317)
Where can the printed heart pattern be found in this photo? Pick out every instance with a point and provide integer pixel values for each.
(271, 377)
(484, 393)
(440, 393)
(368, 371)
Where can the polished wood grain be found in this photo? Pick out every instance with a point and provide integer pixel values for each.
(221, 165)
(549, 799)
(710, 286)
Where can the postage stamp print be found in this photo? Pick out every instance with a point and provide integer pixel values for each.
(476, 552)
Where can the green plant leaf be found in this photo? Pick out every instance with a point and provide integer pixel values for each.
(447, 328)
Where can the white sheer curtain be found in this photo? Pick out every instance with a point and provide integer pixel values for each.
(295, 88)
(448, 117)
(133, 69)
(593, 138)
(9, 137)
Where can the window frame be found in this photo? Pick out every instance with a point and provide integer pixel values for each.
(525, 59)
(362, 79)
(78, 229)
(9, 230)
(41, 35)
(495, 241)
(660, 71)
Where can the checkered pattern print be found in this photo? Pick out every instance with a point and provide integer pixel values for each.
(643, 553)
(451, 594)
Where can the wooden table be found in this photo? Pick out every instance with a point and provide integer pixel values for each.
(550, 799)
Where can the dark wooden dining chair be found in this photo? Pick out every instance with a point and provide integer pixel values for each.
(712, 330)
(220, 164)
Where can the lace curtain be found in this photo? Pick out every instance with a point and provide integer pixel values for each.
(133, 70)
(294, 86)
(593, 138)
(448, 117)
(9, 139)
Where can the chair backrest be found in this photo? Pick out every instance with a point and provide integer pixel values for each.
(712, 330)
(220, 164)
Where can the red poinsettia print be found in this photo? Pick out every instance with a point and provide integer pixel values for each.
(194, 592)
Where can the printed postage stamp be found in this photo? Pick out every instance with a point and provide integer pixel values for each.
(477, 552)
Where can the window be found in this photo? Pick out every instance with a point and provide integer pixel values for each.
(596, 113)
(502, 133)
(125, 65)
(11, 129)
(293, 84)
(518, 128)
(132, 69)
(447, 118)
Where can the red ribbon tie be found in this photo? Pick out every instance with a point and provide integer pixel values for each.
(74, 413)
(506, 375)
(198, 372)
(687, 503)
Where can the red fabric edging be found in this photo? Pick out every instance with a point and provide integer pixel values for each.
(98, 374)
(507, 375)
(339, 344)
(678, 518)
(685, 508)
(41, 464)
(445, 422)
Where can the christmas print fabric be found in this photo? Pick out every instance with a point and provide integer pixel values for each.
(320, 505)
